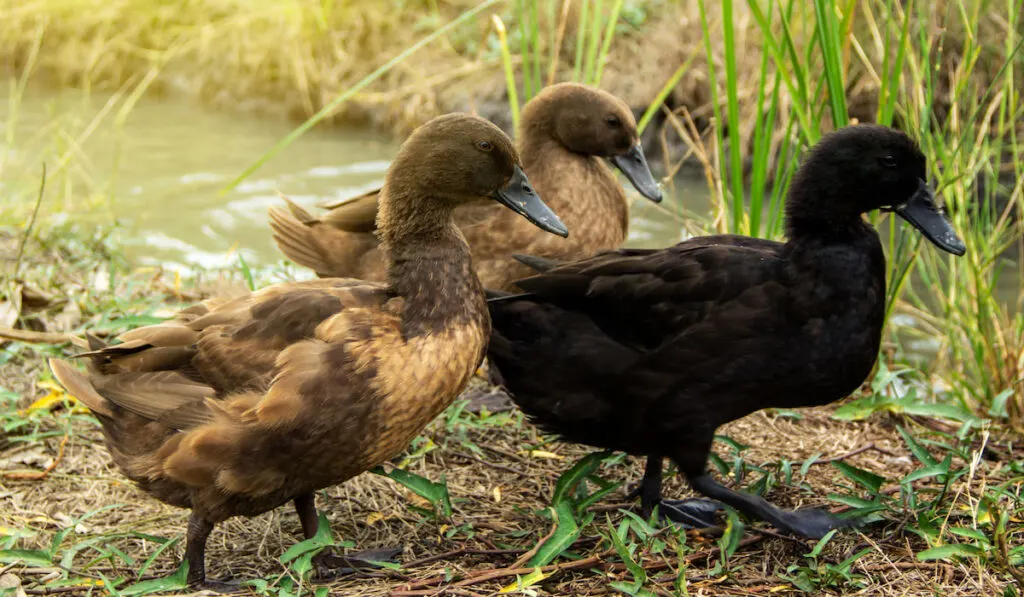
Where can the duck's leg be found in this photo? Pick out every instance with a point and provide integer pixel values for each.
(691, 513)
(649, 490)
(305, 507)
(199, 529)
(329, 564)
(811, 523)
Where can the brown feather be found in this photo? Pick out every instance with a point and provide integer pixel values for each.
(80, 387)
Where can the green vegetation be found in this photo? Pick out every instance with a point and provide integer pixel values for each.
(926, 451)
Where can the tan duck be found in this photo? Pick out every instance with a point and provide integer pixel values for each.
(240, 405)
(565, 134)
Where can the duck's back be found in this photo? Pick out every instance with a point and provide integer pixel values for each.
(581, 189)
(628, 349)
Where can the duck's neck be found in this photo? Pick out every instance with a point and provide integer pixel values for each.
(578, 187)
(429, 264)
(820, 215)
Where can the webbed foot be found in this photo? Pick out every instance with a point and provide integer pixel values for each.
(693, 513)
(225, 586)
(810, 523)
(329, 565)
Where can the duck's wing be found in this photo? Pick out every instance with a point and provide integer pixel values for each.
(576, 349)
(261, 369)
(218, 349)
(372, 193)
(643, 297)
(359, 213)
(342, 242)
(355, 214)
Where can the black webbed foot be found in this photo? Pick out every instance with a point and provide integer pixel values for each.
(329, 565)
(811, 523)
(694, 513)
(224, 586)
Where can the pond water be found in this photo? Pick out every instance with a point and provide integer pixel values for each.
(161, 172)
(172, 158)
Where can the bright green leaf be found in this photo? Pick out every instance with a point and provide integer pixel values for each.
(175, 582)
(869, 480)
(566, 532)
(944, 552)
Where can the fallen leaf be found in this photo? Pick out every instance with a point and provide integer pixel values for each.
(418, 500)
(34, 457)
(525, 582)
(8, 314)
(50, 401)
(11, 585)
(542, 454)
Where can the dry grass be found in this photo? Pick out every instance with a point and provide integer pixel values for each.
(497, 493)
(295, 56)
(373, 512)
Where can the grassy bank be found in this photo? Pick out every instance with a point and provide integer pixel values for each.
(927, 451)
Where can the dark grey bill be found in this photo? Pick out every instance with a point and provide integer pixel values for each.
(634, 165)
(520, 197)
(920, 211)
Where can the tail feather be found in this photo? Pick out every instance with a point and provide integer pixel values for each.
(295, 239)
(79, 386)
(300, 214)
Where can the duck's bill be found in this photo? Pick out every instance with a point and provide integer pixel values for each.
(634, 165)
(921, 212)
(519, 196)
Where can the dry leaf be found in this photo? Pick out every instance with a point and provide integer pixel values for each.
(11, 585)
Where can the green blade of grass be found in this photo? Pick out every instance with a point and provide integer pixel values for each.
(606, 43)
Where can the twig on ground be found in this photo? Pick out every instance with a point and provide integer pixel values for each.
(533, 550)
(496, 465)
(455, 553)
(852, 453)
(40, 475)
(33, 337)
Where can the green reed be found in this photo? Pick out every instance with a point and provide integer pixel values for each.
(809, 54)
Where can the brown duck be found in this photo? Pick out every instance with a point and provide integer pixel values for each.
(239, 405)
(566, 133)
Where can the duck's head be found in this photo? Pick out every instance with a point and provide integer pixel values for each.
(858, 169)
(592, 122)
(460, 158)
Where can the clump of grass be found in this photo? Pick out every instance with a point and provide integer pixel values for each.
(932, 75)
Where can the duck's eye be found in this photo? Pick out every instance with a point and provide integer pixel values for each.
(888, 161)
(613, 122)
(484, 145)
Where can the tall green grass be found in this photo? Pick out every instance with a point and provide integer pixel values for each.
(916, 63)
(595, 29)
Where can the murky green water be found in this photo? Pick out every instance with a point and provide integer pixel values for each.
(163, 170)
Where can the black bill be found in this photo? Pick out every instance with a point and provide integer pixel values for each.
(520, 197)
(920, 211)
(634, 165)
